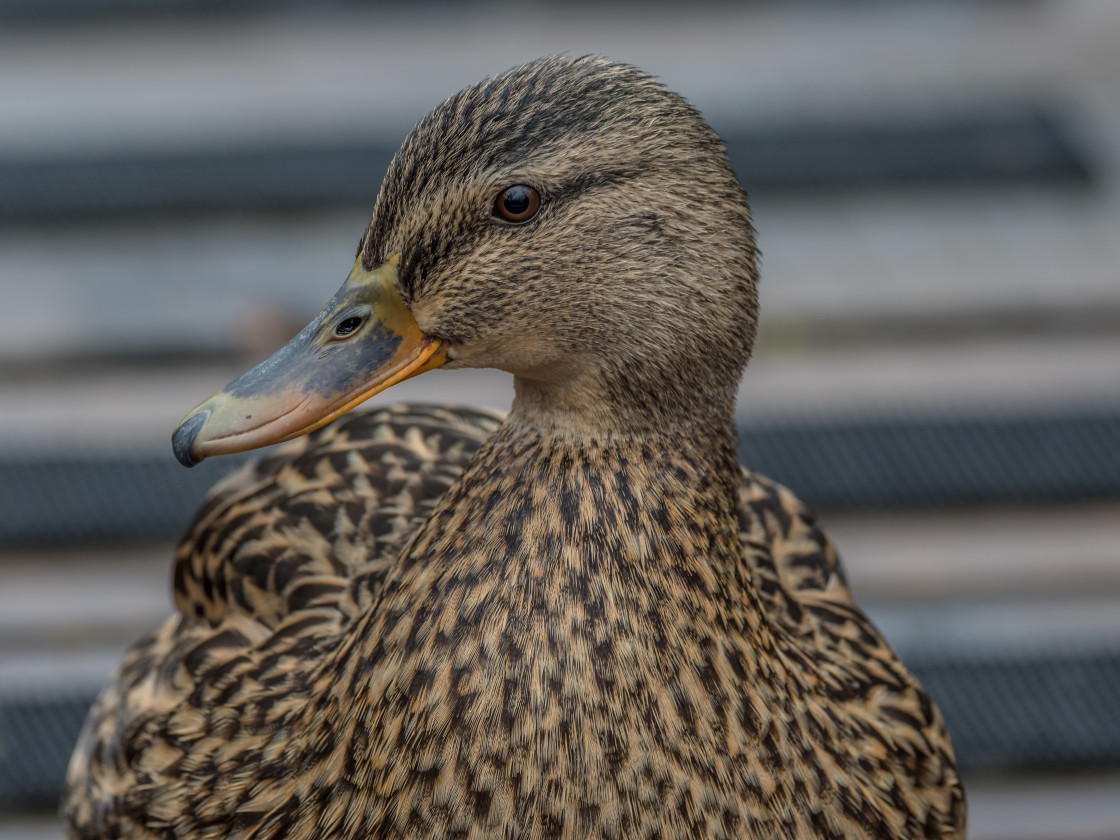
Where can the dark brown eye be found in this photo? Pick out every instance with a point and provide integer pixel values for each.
(517, 204)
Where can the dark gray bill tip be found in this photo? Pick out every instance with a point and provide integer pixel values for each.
(183, 439)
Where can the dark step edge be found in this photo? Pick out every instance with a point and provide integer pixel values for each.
(1013, 144)
(875, 463)
(1050, 710)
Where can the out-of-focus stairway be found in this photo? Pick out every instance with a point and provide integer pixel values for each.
(182, 183)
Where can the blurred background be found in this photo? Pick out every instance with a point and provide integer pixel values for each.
(935, 186)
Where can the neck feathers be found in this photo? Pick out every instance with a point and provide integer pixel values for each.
(574, 608)
(621, 505)
(563, 530)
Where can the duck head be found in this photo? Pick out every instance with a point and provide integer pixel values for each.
(569, 221)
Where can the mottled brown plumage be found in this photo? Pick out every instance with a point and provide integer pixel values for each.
(584, 620)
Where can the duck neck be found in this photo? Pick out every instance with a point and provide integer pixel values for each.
(556, 579)
(571, 606)
(612, 512)
(612, 406)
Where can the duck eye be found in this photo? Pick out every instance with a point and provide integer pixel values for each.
(348, 326)
(517, 204)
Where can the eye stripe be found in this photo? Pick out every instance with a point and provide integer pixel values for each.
(584, 183)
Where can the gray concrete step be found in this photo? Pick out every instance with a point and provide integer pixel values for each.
(75, 407)
(166, 82)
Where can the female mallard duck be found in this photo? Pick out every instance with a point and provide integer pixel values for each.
(584, 620)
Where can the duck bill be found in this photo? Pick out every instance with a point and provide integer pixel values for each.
(362, 342)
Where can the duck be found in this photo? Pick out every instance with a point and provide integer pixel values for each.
(578, 619)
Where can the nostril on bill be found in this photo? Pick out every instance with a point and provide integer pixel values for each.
(348, 326)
